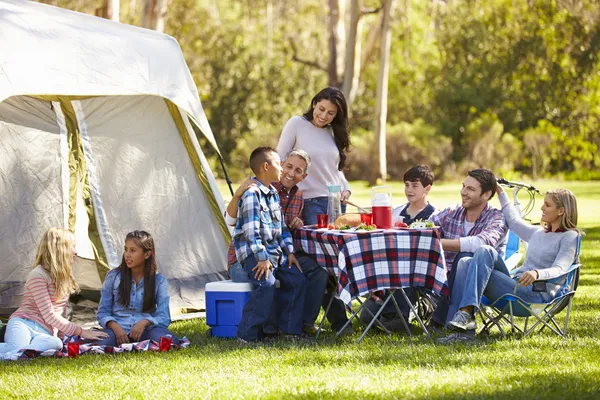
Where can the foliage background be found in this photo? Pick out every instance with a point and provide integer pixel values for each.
(509, 85)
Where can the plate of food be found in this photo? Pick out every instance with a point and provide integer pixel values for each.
(420, 224)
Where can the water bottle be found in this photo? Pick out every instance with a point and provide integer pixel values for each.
(333, 203)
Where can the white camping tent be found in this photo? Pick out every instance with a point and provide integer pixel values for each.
(97, 135)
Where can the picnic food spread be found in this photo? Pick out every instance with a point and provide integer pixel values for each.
(348, 219)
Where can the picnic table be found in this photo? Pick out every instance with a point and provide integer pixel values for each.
(367, 261)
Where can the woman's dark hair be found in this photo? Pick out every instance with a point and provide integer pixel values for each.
(339, 125)
(145, 241)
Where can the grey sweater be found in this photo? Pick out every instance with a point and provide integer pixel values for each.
(549, 253)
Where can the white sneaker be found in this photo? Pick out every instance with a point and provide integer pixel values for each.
(463, 321)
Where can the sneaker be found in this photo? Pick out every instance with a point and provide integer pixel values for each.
(301, 338)
(349, 330)
(457, 337)
(394, 324)
(435, 329)
(463, 321)
(310, 329)
(241, 342)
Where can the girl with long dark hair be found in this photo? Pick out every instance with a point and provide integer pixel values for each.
(134, 304)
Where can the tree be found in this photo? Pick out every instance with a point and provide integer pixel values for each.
(382, 89)
(346, 58)
(154, 14)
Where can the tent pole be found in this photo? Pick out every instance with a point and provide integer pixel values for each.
(226, 176)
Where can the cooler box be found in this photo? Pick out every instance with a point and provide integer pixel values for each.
(225, 302)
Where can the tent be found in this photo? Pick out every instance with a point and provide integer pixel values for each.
(97, 135)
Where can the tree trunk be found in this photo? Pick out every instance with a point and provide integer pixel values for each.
(337, 42)
(353, 48)
(161, 15)
(149, 14)
(113, 10)
(154, 14)
(109, 10)
(382, 89)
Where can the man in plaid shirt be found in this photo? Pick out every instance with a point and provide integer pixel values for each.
(295, 169)
(467, 227)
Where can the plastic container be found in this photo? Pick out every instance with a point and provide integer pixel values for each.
(381, 201)
(225, 301)
(334, 208)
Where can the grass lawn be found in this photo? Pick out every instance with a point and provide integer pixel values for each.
(542, 366)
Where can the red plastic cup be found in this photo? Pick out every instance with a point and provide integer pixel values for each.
(366, 219)
(165, 343)
(72, 349)
(322, 221)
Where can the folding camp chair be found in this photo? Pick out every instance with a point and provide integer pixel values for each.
(512, 256)
(508, 306)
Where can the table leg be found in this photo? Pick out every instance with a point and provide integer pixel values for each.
(376, 319)
(412, 307)
(324, 317)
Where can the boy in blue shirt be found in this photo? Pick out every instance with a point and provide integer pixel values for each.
(417, 183)
(263, 244)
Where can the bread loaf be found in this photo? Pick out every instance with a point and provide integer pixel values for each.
(348, 219)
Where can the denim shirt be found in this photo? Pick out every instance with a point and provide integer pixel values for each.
(110, 309)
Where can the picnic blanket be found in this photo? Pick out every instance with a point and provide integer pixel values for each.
(87, 348)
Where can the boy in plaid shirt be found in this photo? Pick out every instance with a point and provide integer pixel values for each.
(263, 244)
(295, 169)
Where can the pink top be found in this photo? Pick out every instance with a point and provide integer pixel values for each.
(39, 304)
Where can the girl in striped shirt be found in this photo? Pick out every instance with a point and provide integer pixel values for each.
(36, 322)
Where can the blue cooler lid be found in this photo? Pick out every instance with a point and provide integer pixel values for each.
(228, 286)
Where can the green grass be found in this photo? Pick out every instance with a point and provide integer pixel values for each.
(542, 366)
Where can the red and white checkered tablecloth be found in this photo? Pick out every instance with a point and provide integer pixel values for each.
(368, 261)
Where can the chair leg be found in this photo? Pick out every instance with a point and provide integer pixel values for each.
(567, 316)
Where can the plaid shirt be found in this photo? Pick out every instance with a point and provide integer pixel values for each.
(490, 227)
(260, 229)
(291, 205)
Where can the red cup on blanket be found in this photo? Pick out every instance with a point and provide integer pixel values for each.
(72, 349)
(366, 219)
(165, 343)
(322, 221)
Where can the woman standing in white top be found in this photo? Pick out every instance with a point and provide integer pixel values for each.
(323, 133)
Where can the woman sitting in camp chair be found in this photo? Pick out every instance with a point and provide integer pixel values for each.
(551, 251)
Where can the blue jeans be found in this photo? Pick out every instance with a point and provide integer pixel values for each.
(337, 312)
(258, 308)
(153, 333)
(268, 309)
(315, 288)
(289, 299)
(23, 333)
(441, 314)
(315, 284)
(486, 274)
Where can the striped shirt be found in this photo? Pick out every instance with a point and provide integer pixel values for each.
(291, 206)
(40, 305)
(260, 230)
(490, 228)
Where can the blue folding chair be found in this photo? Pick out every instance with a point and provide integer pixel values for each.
(508, 306)
(512, 256)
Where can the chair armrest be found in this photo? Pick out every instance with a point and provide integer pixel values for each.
(570, 270)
